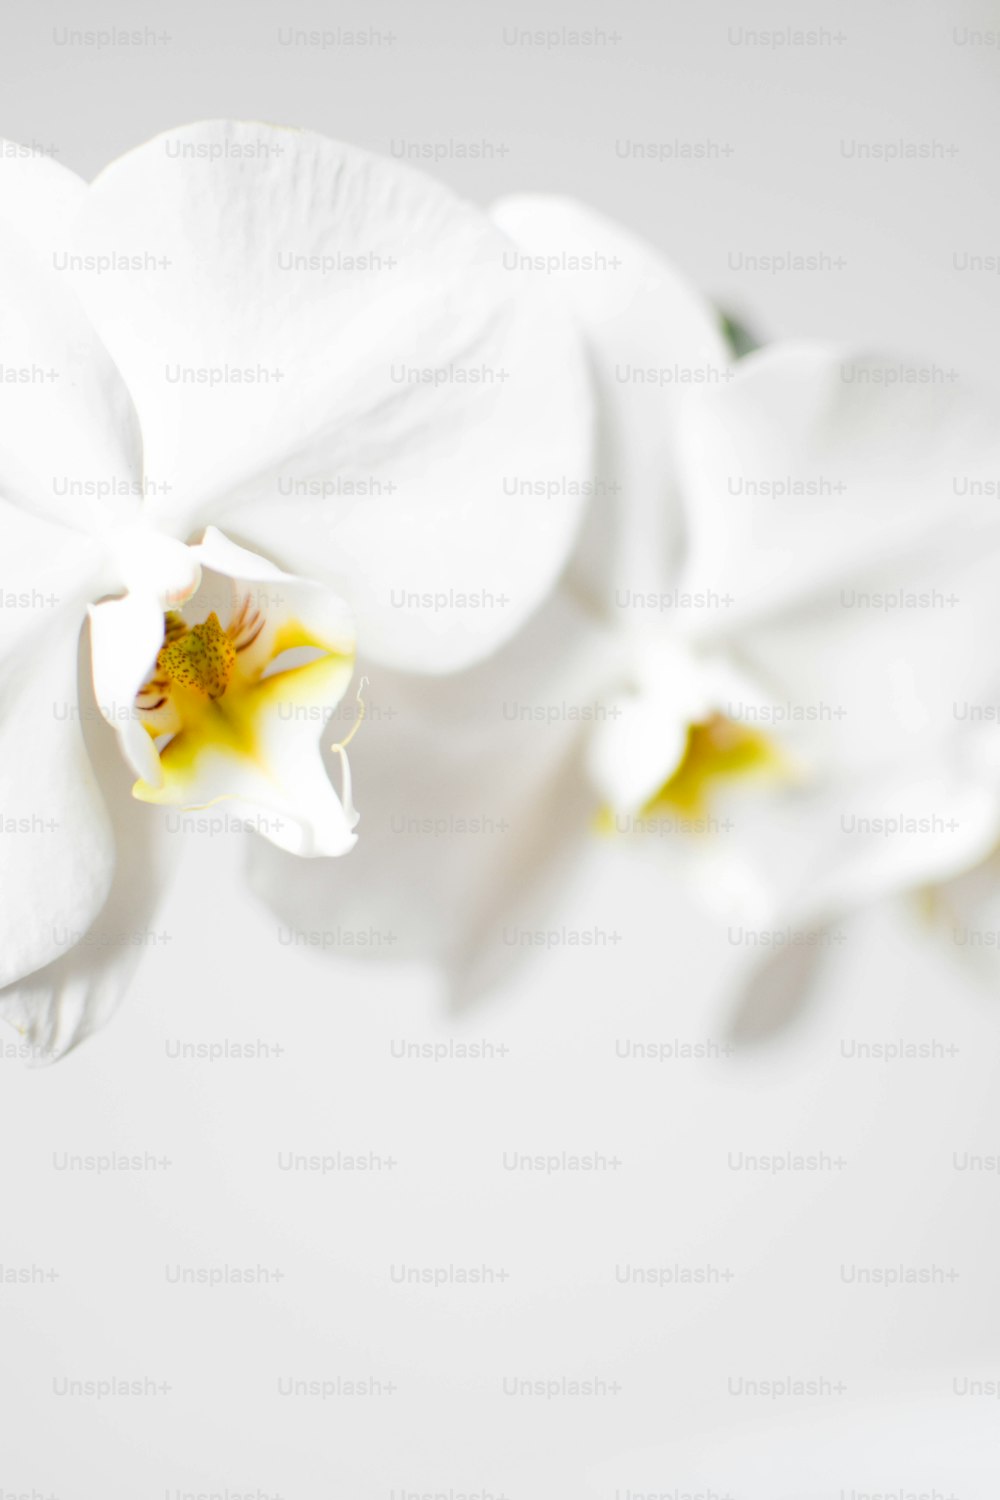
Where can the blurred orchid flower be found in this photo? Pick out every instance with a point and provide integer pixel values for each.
(786, 581)
(257, 392)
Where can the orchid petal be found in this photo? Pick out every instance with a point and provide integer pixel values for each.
(55, 375)
(813, 469)
(354, 424)
(809, 853)
(650, 336)
(58, 848)
(60, 1004)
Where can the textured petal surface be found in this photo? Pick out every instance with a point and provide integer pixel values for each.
(69, 998)
(58, 853)
(69, 443)
(333, 360)
(125, 635)
(807, 854)
(40, 197)
(814, 469)
(651, 338)
(885, 670)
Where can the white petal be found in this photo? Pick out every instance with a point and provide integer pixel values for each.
(438, 562)
(638, 745)
(157, 573)
(69, 998)
(125, 636)
(218, 552)
(143, 560)
(862, 689)
(69, 440)
(636, 751)
(802, 477)
(39, 197)
(807, 855)
(641, 319)
(58, 848)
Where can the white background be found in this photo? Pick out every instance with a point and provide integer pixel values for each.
(552, 118)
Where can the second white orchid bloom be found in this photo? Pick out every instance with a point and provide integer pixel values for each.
(795, 633)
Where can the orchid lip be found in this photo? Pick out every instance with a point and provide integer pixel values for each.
(212, 683)
(206, 696)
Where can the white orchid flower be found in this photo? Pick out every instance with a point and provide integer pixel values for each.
(788, 579)
(257, 392)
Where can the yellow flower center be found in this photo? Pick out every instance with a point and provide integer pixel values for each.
(717, 750)
(200, 657)
(222, 702)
